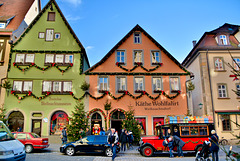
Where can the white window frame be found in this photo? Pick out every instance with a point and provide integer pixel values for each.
(138, 83)
(29, 85)
(139, 59)
(17, 86)
(67, 86)
(32, 59)
(137, 38)
(105, 84)
(120, 84)
(222, 92)
(122, 56)
(154, 61)
(20, 58)
(49, 35)
(159, 86)
(46, 89)
(57, 87)
(63, 60)
(22, 86)
(223, 39)
(69, 58)
(218, 65)
(174, 86)
(236, 63)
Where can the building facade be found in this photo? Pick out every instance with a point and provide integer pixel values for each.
(139, 74)
(45, 68)
(15, 18)
(211, 60)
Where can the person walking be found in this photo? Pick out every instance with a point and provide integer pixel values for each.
(113, 140)
(170, 145)
(123, 140)
(64, 135)
(130, 139)
(102, 132)
(88, 132)
(82, 133)
(214, 145)
(179, 143)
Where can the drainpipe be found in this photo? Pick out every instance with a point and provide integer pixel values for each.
(211, 90)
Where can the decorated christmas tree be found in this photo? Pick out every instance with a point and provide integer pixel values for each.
(77, 121)
(131, 124)
(3, 113)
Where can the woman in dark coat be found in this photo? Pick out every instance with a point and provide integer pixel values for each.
(123, 140)
(215, 146)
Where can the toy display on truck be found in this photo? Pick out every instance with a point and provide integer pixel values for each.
(10, 148)
(193, 133)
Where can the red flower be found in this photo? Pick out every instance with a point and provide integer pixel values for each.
(12, 92)
(14, 64)
(179, 92)
(144, 92)
(48, 93)
(29, 93)
(117, 63)
(71, 64)
(53, 64)
(139, 63)
(126, 92)
(71, 93)
(33, 64)
(106, 92)
(160, 64)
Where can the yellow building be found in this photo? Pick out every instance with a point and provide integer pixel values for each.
(213, 93)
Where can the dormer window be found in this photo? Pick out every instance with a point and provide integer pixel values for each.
(51, 16)
(137, 38)
(223, 40)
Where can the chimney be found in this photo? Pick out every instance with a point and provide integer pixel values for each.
(194, 42)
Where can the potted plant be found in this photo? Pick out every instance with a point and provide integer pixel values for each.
(107, 106)
(85, 86)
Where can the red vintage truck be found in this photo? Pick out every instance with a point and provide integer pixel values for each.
(193, 134)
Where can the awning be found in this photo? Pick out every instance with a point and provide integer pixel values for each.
(227, 112)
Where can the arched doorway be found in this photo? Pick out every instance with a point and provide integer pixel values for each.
(116, 120)
(15, 121)
(96, 123)
(59, 119)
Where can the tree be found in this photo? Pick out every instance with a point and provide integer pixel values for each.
(131, 124)
(77, 121)
(3, 113)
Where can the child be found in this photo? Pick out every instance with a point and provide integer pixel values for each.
(170, 145)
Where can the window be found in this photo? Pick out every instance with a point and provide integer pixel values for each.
(157, 84)
(238, 89)
(2, 50)
(24, 59)
(138, 57)
(60, 59)
(21, 136)
(121, 57)
(121, 84)
(137, 38)
(138, 84)
(49, 34)
(155, 57)
(218, 62)
(51, 16)
(222, 91)
(60, 87)
(22, 86)
(103, 84)
(236, 63)
(174, 84)
(193, 131)
(57, 36)
(226, 124)
(223, 39)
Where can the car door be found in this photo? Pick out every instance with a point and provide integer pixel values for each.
(85, 144)
(22, 137)
(99, 143)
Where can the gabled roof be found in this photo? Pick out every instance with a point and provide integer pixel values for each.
(17, 8)
(136, 28)
(64, 19)
(226, 28)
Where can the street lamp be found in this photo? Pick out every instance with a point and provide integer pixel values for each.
(200, 105)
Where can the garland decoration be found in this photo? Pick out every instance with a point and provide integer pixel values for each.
(41, 68)
(193, 141)
(139, 64)
(100, 97)
(95, 110)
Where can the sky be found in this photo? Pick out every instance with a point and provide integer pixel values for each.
(101, 24)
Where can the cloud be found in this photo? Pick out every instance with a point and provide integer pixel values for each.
(89, 47)
(72, 18)
(74, 2)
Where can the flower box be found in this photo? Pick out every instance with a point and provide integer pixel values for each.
(138, 91)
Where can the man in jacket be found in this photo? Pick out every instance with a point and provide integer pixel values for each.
(179, 143)
(214, 145)
(113, 140)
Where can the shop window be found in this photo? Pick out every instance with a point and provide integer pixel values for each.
(58, 121)
(16, 121)
(142, 124)
(157, 121)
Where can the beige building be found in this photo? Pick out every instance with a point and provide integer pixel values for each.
(15, 17)
(213, 93)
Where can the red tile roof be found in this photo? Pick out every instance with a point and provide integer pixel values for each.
(17, 8)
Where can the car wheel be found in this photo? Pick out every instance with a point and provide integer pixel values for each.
(28, 148)
(70, 151)
(108, 152)
(147, 151)
(224, 142)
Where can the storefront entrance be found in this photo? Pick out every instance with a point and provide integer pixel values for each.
(116, 121)
(96, 123)
(16, 121)
(37, 126)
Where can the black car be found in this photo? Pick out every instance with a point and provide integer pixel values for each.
(89, 144)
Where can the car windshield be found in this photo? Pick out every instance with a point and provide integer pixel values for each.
(5, 133)
(35, 135)
(88, 139)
